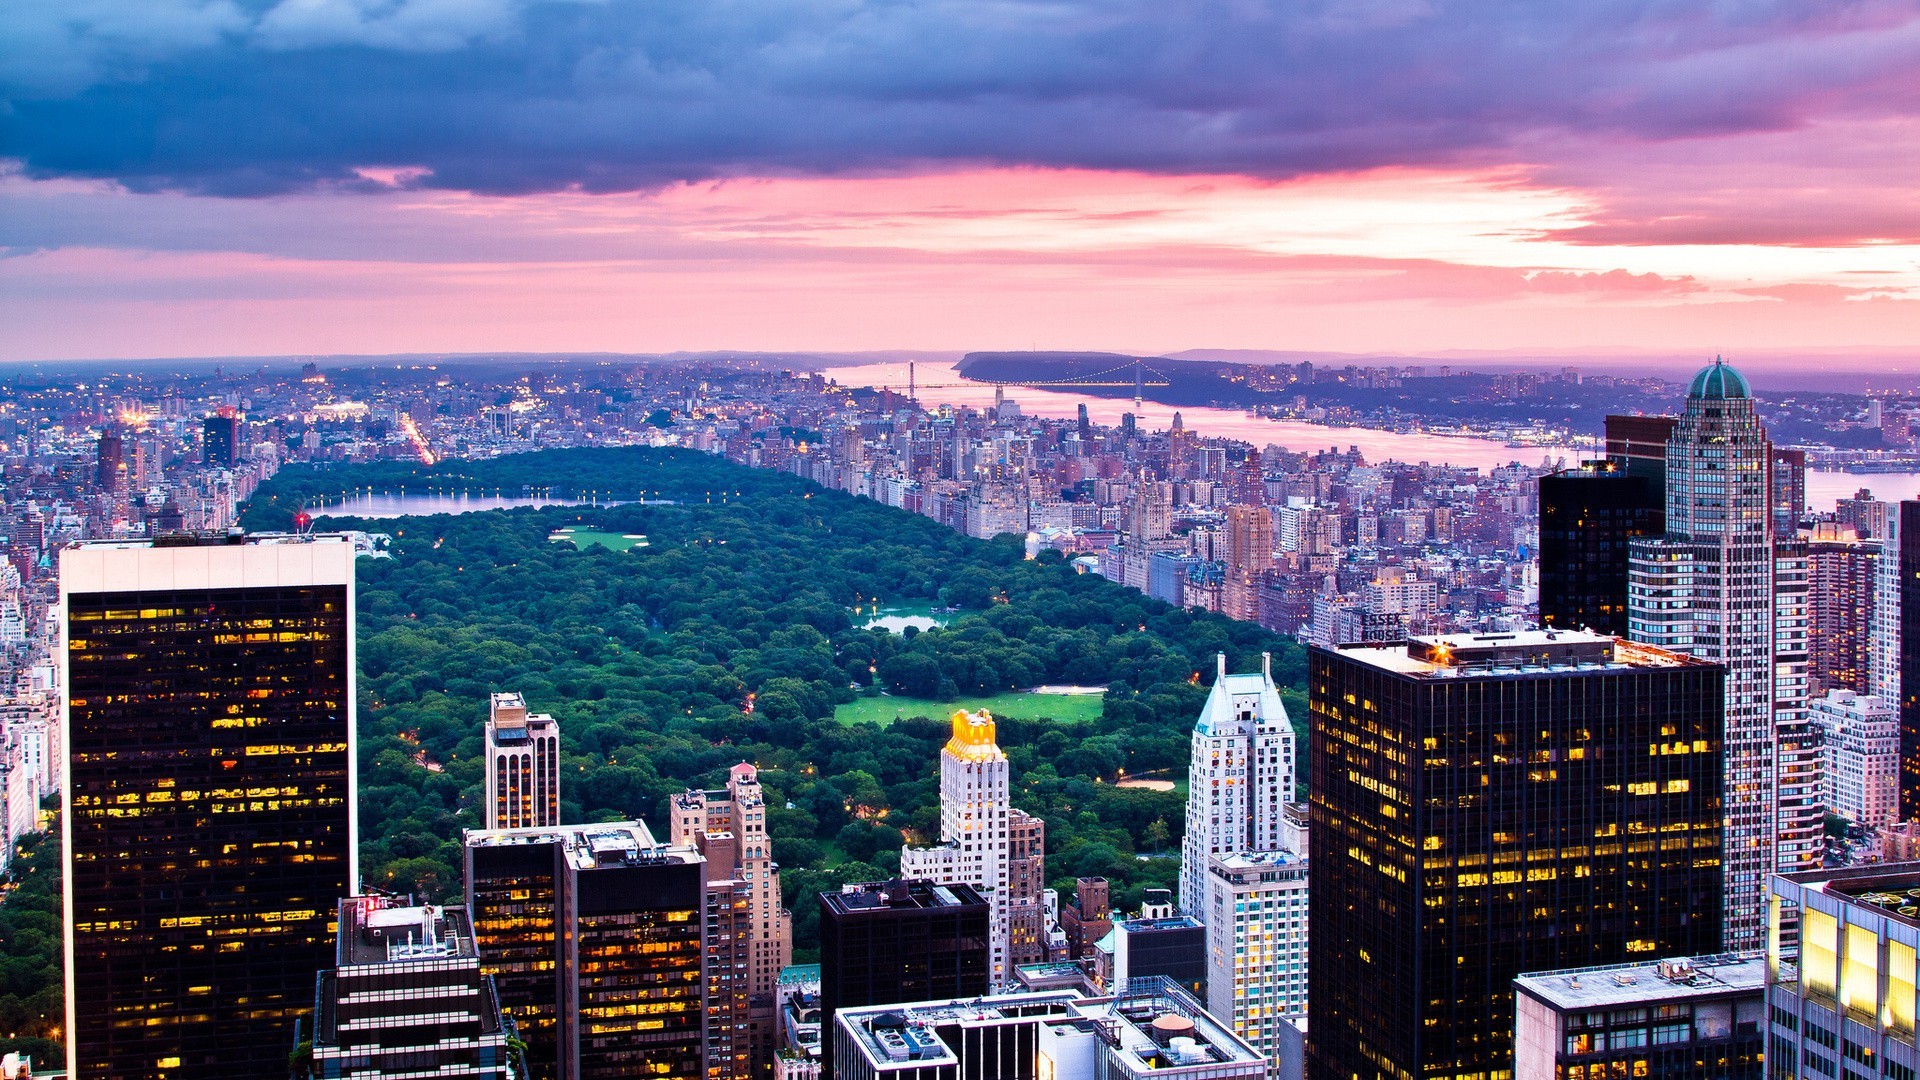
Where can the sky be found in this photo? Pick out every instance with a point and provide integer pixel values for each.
(266, 177)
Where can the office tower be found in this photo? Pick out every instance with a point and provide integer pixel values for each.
(1485, 805)
(987, 844)
(109, 461)
(1084, 425)
(220, 439)
(1088, 917)
(1708, 588)
(1840, 973)
(885, 942)
(208, 803)
(1161, 941)
(1797, 821)
(1256, 929)
(1902, 557)
(1153, 1030)
(1670, 1019)
(1588, 516)
(729, 827)
(1787, 482)
(406, 998)
(1240, 776)
(523, 766)
(1638, 444)
(1842, 573)
(595, 936)
(1860, 756)
(1883, 650)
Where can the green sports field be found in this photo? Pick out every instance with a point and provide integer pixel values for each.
(884, 710)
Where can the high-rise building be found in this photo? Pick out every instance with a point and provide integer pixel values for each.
(1087, 917)
(595, 936)
(1902, 560)
(1698, 1018)
(1840, 973)
(1860, 756)
(886, 942)
(1588, 516)
(1249, 557)
(1709, 588)
(1256, 929)
(1842, 573)
(1240, 776)
(729, 827)
(220, 439)
(1485, 805)
(986, 843)
(1638, 444)
(208, 800)
(109, 461)
(1787, 483)
(523, 766)
(406, 998)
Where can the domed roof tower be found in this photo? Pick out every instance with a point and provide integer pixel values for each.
(1719, 380)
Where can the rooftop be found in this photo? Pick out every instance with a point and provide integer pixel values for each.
(618, 843)
(1150, 926)
(900, 896)
(1652, 980)
(377, 930)
(1719, 380)
(1521, 652)
(229, 538)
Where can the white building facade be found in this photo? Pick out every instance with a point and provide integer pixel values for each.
(1240, 777)
(1860, 756)
(1256, 917)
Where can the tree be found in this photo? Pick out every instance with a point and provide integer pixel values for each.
(1157, 836)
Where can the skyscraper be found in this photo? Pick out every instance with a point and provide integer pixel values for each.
(1485, 805)
(1903, 560)
(208, 800)
(729, 827)
(979, 830)
(1588, 516)
(1709, 587)
(595, 936)
(1256, 932)
(1843, 572)
(523, 765)
(1240, 776)
(886, 942)
(220, 438)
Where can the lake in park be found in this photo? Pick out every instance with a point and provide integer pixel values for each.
(395, 504)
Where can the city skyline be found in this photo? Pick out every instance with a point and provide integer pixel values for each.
(307, 176)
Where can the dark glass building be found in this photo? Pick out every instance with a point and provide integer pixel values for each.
(1487, 805)
(595, 936)
(1587, 517)
(1907, 550)
(888, 942)
(220, 437)
(209, 805)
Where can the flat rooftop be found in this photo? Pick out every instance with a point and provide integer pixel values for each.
(1520, 652)
(618, 843)
(1575, 989)
(901, 896)
(207, 538)
(375, 931)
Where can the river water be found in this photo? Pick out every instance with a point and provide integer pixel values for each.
(935, 382)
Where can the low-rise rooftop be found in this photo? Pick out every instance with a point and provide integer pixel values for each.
(1652, 980)
(1520, 652)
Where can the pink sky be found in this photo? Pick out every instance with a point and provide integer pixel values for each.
(1684, 245)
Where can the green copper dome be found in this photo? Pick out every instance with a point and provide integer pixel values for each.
(1719, 380)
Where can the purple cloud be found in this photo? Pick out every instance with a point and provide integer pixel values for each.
(510, 96)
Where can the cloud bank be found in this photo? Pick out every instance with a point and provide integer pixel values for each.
(251, 97)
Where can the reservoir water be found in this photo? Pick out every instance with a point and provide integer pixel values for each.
(393, 505)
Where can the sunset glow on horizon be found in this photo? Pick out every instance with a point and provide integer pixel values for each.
(1569, 220)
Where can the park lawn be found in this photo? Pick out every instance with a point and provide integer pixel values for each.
(883, 710)
(584, 538)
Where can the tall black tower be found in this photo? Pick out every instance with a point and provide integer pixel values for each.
(1487, 805)
(209, 808)
(1587, 517)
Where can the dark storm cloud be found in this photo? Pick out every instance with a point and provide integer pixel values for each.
(505, 96)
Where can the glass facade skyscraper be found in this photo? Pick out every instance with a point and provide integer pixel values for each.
(1487, 805)
(208, 799)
